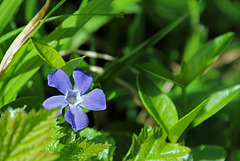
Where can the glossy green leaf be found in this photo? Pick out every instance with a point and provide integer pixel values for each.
(71, 65)
(208, 152)
(177, 130)
(216, 102)
(160, 71)
(24, 136)
(47, 53)
(119, 65)
(151, 145)
(206, 55)
(158, 105)
(7, 10)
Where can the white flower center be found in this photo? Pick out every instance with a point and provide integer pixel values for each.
(73, 97)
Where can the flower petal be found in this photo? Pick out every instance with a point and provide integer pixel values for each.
(76, 117)
(54, 102)
(94, 100)
(60, 80)
(83, 81)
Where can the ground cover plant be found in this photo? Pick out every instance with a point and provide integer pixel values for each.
(119, 80)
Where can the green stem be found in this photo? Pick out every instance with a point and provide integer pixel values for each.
(184, 96)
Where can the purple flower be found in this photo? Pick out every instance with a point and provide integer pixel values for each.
(74, 97)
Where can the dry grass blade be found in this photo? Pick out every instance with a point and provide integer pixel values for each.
(22, 38)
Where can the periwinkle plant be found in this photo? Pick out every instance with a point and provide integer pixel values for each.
(74, 98)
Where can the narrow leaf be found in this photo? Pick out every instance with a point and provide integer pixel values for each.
(160, 71)
(7, 10)
(177, 130)
(216, 102)
(71, 65)
(206, 55)
(119, 65)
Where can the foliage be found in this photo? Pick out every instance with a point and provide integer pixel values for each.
(169, 70)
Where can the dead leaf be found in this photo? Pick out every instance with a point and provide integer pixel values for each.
(22, 38)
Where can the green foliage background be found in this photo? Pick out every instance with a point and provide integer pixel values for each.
(169, 69)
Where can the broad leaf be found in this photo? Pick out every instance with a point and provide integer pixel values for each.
(216, 102)
(47, 53)
(177, 130)
(24, 136)
(151, 145)
(208, 152)
(206, 55)
(158, 105)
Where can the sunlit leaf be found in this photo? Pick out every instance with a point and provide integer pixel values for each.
(216, 102)
(22, 38)
(206, 55)
(47, 53)
(24, 136)
(7, 10)
(151, 145)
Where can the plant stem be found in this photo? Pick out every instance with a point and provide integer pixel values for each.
(184, 96)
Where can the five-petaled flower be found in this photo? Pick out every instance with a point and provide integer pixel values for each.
(74, 97)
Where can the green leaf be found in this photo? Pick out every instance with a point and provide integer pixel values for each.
(208, 152)
(100, 137)
(71, 65)
(10, 34)
(47, 53)
(7, 10)
(73, 23)
(206, 55)
(216, 102)
(24, 136)
(81, 149)
(160, 71)
(151, 145)
(24, 71)
(29, 102)
(177, 130)
(119, 65)
(158, 105)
